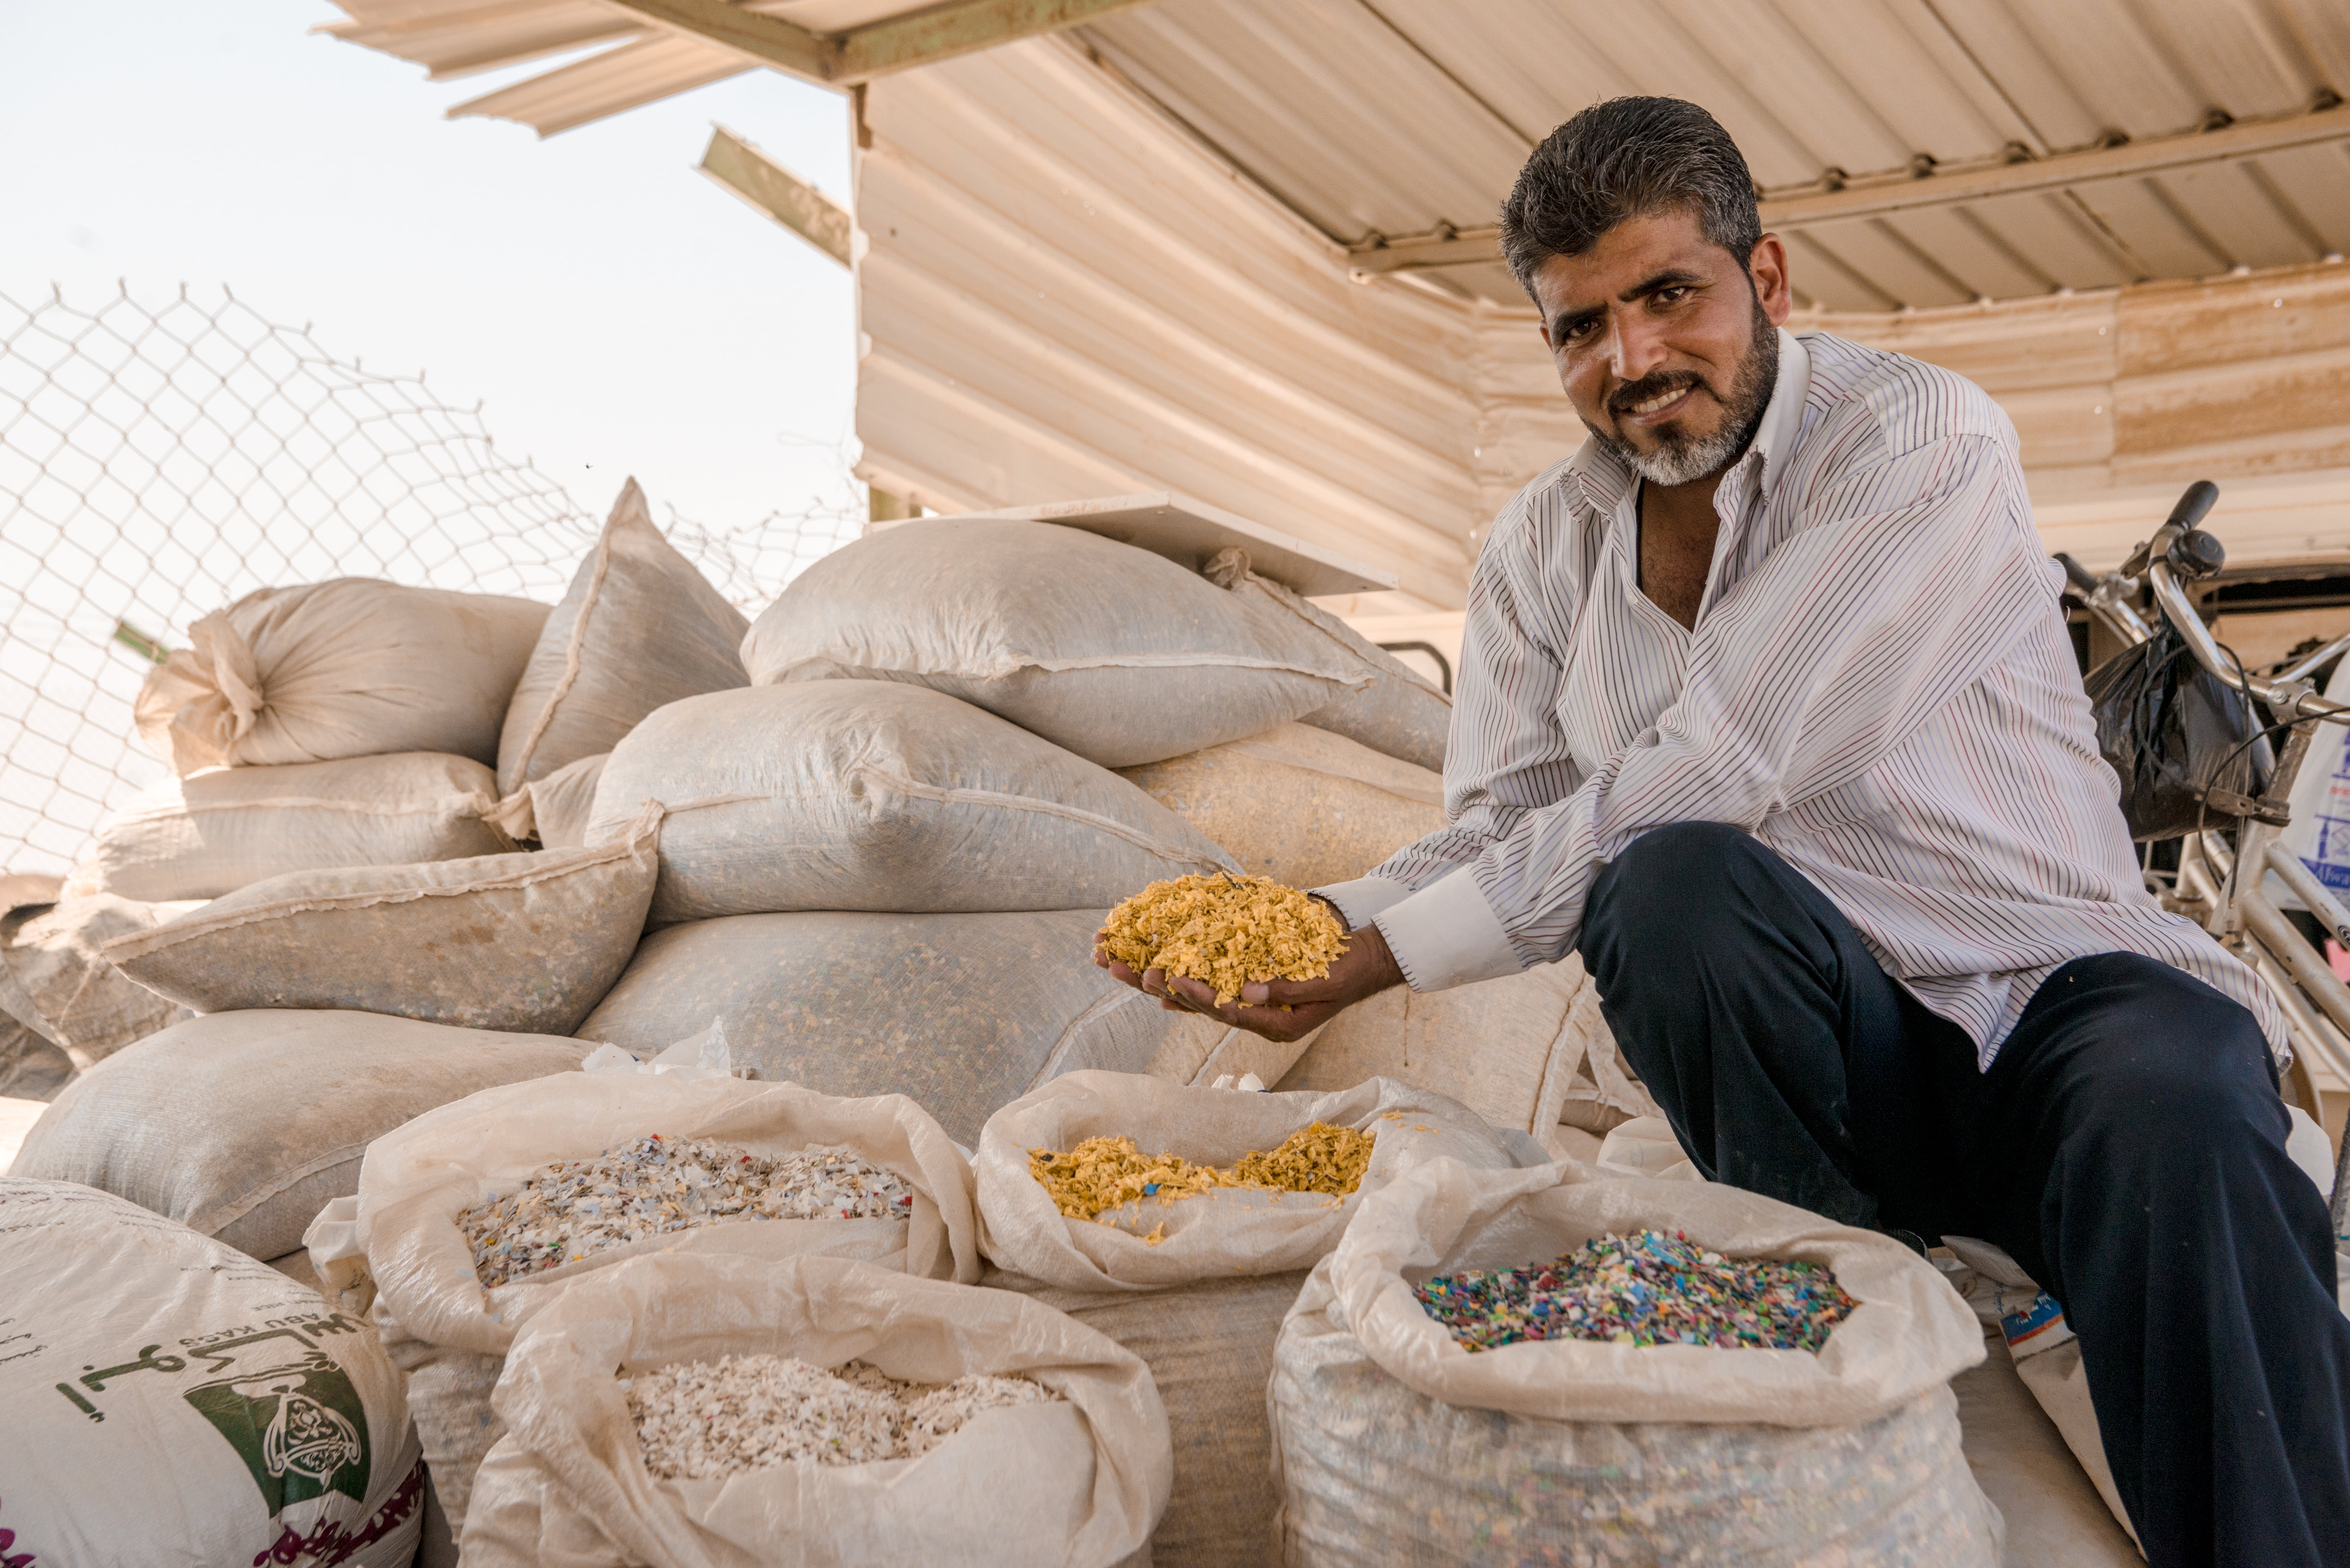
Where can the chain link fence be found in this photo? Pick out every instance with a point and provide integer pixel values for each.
(159, 460)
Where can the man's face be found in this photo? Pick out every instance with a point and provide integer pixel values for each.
(1663, 342)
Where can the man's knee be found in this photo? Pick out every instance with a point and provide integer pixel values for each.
(2180, 1061)
(1672, 883)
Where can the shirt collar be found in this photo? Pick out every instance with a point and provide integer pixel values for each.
(1606, 479)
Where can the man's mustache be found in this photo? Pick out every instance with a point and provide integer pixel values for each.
(1656, 383)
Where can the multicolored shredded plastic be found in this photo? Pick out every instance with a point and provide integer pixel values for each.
(1646, 1288)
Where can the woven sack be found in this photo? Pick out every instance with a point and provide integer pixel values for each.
(1203, 1304)
(1396, 711)
(1527, 1050)
(859, 794)
(1118, 655)
(639, 628)
(351, 668)
(55, 981)
(1394, 1442)
(1073, 1484)
(225, 828)
(965, 1013)
(523, 942)
(243, 1126)
(1302, 805)
(170, 1400)
(555, 810)
(402, 1253)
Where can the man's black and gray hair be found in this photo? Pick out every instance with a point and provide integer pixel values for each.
(1627, 158)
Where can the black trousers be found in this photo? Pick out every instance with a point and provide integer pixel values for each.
(2127, 1147)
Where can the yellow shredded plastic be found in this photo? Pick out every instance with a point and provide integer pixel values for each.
(1226, 930)
(1102, 1174)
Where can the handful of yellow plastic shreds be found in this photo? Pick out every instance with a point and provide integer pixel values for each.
(1226, 930)
(1106, 1173)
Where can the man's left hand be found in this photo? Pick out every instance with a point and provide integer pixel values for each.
(1281, 1009)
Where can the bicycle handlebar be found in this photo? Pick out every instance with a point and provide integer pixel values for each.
(2292, 700)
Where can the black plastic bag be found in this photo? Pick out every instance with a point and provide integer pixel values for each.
(2177, 736)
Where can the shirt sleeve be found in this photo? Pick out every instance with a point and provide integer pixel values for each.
(1921, 572)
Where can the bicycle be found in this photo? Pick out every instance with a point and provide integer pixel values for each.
(2221, 885)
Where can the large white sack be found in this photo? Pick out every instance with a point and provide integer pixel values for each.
(639, 626)
(59, 982)
(526, 942)
(225, 828)
(1072, 1484)
(556, 810)
(1302, 805)
(965, 1013)
(1397, 712)
(172, 1401)
(402, 1247)
(1201, 1306)
(350, 668)
(1118, 654)
(1218, 1234)
(1394, 1441)
(861, 794)
(1527, 1050)
(243, 1126)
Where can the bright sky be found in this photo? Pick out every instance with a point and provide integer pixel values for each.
(615, 311)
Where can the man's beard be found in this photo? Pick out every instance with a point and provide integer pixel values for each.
(1682, 458)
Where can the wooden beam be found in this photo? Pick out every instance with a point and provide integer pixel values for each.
(778, 193)
(766, 40)
(924, 37)
(877, 49)
(1783, 215)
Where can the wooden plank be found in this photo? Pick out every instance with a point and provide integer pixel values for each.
(775, 191)
(768, 40)
(901, 43)
(877, 49)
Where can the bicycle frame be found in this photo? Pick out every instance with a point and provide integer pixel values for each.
(2224, 890)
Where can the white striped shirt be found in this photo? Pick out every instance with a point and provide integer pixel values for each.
(1879, 688)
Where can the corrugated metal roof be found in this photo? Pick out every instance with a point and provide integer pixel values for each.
(1389, 118)
(1395, 117)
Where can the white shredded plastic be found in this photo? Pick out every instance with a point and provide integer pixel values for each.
(563, 1212)
(706, 1421)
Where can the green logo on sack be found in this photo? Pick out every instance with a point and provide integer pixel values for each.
(300, 1429)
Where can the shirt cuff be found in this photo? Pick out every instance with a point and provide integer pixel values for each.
(1446, 935)
(1364, 899)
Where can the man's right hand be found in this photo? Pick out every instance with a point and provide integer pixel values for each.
(1280, 1009)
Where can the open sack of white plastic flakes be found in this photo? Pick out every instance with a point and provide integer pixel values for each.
(473, 1217)
(718, 1412)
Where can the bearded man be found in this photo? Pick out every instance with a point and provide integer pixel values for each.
(1767, 709)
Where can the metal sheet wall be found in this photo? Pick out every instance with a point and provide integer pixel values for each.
(1062, 297)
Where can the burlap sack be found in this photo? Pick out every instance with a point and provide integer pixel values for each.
(243, 1126)
(639, 626)
(523, 942)
(404, 1253)
(963, 1012)
(1076, 1484)
(1394, 1441)
(170, 1400)
(225, 828)
(1299, 805)
(862, 794)
(1118, 655)
(351, 668)
(1202, 1305)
